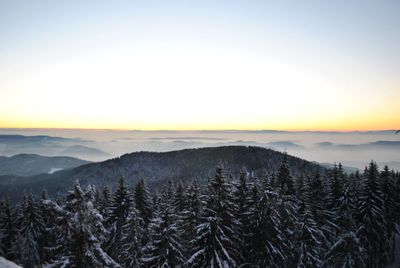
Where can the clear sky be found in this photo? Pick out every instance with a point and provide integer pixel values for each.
(290, 65)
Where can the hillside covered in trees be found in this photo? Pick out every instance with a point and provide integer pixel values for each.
(274, 220)
(182, 165)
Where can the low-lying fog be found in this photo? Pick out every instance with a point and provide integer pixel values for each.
(354, 149)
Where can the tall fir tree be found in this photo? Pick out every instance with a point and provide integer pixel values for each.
(8, 230)
(30, 234)
(164, 248)
(119, 211)
(143, 201)
(190, 218)
(285, 180)
(83, 232)
(370, 217)
(217, 242)
(131, 242)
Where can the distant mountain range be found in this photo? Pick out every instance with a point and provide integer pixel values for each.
(378, 145)
(183, 165)
(32, 164)
(49, 146)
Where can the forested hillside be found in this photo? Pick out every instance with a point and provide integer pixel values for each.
(184, 165)
(274, 220)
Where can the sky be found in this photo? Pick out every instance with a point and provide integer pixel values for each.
(288, 65)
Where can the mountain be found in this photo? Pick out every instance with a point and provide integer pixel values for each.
(284, 145)
(346, 169)
(86, 152)
(50, 146)
(21, 139)
(184, 165)
(32, 164)
(377, 145)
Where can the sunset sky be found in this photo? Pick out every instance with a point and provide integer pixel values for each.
(289, 65)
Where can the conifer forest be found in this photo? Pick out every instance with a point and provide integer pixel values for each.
(327, 219)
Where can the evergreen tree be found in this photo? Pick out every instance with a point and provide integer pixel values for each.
(335, 186)
(346, 250)
(164, 248)
(143, 201)
(8, 231)
(179, 199)
(216, 242)
(190, 218)
(83, 232)
(243, 202)
(285, 180)
(131, 242)
(370, 216)
(391, 208)
(309, 240)
(119, 211)
(30, 234)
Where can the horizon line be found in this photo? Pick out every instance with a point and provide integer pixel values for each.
(194, 130)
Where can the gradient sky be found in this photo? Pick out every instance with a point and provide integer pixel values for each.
(290, 65)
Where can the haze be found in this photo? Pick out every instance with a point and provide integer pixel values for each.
(178, 65)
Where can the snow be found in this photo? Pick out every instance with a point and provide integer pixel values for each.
(7, 264)
(54, 169)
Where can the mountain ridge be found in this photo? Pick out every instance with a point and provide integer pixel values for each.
(156, 167)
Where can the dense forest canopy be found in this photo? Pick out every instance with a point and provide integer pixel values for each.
(330, 219)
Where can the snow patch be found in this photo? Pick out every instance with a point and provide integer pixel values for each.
(7, 264)
(54, 169)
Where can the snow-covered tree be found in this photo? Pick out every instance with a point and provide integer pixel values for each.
(29, 235)
(164, 248)
(82, 233)
(370, 217)
(143, 200)
(190, 218)
(284, 178)
(120, 208)
(217, 240)
(131, 242)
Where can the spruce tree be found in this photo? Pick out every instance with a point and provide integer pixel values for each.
(164, 248)
(370, 217)
(82, 232)
(30, 234)
(285, 180)
(121, 206)
(131, 242)
(8, 230)
(391, 207)
(217, 242)
(143, 201)
(190, 218)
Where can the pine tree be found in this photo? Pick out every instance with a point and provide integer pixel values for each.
(391, 208)
(272, 231)
(121, 206)
(346, 250)
(30, 234)
(143, 201)
(242, 201)
(335, 186)
(82, 232)
(179, 199)
(8, 231)
(285, 180)
(216, 242)
(131, 243)
(309, 241)
(370, 217)
(104, 202)
(164, 248)
(190, 218)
